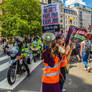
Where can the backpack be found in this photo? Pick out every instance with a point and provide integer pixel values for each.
(77, 46)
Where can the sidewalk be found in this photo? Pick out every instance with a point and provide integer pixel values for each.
(78, 79)
(1, 51)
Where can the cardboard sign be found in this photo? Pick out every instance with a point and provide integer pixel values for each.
(50, 17)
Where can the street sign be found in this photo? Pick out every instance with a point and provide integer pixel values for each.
(50, 17)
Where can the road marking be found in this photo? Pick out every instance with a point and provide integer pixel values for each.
(4, 66)
(3, 58)
(27, 91)
(4, 83)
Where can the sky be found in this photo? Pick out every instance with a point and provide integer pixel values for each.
(88, 2)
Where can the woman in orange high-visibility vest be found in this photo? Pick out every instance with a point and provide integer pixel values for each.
(63, 60)
(51, 71)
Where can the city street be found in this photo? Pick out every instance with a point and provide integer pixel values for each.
(4, 65)
(78, 79)
(42, 37)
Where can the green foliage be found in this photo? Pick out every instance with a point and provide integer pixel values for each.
(21, 17)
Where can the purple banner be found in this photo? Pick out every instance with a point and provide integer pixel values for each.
(72, 31)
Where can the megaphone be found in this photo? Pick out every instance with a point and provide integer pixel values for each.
(48, 38)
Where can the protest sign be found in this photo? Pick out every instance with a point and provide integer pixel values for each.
(50, 17)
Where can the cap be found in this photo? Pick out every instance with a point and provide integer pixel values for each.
(48, 37)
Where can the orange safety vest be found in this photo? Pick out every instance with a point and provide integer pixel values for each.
(64, 62)
(51, 74)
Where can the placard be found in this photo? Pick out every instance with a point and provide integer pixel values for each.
(50, 17)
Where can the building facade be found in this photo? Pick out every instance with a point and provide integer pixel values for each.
(69, 13)
(43, 2)
(78, 10)
(84, 13)
(72, 2)
(61, 13)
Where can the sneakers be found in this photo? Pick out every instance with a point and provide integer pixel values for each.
(28, 74)
(88, 69)
(63, 90)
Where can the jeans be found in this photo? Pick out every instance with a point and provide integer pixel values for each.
(85, 58)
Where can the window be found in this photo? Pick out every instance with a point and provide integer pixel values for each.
(77, 4)
(67, 11)
(61, 26)
(61, 21)
(49, 1)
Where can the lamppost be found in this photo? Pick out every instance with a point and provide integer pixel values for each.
(70, 23)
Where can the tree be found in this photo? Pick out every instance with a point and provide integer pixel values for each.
(21, 17)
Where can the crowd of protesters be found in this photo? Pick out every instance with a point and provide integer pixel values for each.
(56, 57)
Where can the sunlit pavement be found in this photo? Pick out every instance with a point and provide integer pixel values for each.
(79, 80)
